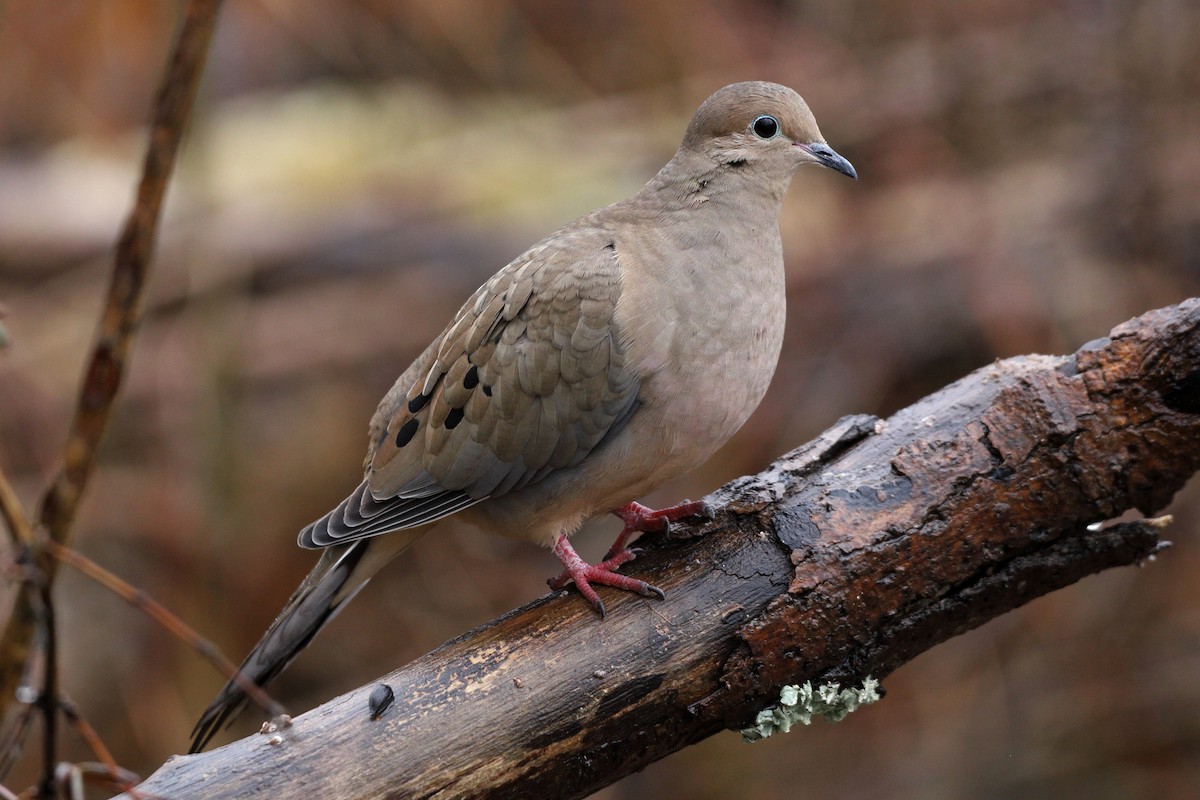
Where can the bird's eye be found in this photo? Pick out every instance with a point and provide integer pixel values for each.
(765, 126)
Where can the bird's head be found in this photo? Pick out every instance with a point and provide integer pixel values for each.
(762, 125)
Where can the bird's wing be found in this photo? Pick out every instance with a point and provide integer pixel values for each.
(529, 378)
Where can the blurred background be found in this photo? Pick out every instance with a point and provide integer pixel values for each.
(1030, 178)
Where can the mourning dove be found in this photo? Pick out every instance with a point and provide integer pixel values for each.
(613, 355)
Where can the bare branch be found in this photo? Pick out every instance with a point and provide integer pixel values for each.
(13, 514)
(843, 560)
(173, 624)
(106, 366)
(119, 778)
(131, 268)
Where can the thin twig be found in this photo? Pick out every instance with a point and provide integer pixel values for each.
(131, 268)
(118, 324)
(140, 600)
(48, 701)
(119, 777)
(43, 611)
(15, 656)
(72, 778)
(14, 736)
(15, 518)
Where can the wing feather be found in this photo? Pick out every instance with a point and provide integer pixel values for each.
(529, 377)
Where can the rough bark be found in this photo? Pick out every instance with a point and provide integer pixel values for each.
(846, 558)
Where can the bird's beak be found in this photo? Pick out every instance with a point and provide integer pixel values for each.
(827, 157)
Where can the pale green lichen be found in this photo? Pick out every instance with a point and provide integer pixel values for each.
(802, 703)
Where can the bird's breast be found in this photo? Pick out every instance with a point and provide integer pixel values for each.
(706, 338)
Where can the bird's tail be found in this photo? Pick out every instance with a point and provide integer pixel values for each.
(337, 577)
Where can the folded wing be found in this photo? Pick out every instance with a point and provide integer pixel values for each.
(529, 378)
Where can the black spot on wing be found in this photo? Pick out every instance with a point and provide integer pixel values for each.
(487, 390)
(471, 379)
(406, 432)
(418, 402)
(453, 418)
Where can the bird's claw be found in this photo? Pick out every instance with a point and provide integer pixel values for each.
(625, 554)
(583, 575)
(649, 590)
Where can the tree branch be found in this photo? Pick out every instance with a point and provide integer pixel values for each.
(131, 269)
(843, 560)
(107, 362)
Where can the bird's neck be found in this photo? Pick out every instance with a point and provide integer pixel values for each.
(695, 182)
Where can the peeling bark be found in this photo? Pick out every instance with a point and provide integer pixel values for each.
(846, 558)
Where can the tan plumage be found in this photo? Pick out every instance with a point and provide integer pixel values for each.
(608, 358)
(527, 378)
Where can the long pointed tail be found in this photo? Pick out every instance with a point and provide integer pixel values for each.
(337, 577)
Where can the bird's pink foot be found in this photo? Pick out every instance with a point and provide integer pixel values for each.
(584, 574)
(637, 518)
(642, 519)
(607, 565)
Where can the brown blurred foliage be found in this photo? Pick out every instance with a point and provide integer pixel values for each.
(1030, 178)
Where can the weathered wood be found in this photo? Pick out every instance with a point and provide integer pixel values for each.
(844, 559)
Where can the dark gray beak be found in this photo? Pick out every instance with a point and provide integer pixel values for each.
(829, 158)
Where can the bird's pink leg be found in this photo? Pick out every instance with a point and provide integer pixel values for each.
(637, 518)
(585, 574)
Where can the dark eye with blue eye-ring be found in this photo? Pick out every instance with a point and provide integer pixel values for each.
(765, 126)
